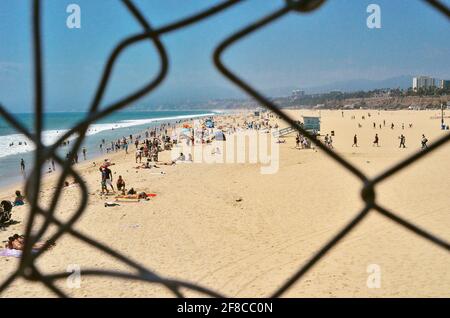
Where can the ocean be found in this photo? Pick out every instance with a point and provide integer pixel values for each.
(15, 146)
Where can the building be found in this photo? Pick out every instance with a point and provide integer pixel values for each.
(296, 93)
(423, 82)
(444, 84)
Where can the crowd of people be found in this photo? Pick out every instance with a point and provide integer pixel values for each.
(151, 142)
(147, 146)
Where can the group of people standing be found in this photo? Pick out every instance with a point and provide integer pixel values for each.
(301, 142)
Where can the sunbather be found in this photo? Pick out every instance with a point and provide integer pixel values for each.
(181, 157)
(17, 242)
(146, 165)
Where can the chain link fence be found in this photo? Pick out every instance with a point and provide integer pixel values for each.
(27, 268)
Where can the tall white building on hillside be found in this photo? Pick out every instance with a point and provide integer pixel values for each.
(423, 82)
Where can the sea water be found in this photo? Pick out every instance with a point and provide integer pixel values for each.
(113, 127)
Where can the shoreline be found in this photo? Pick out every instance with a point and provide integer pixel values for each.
(6, 191)
(95, 151)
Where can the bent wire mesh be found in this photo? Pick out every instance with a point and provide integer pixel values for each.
(27, 266)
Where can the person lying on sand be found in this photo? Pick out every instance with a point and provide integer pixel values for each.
(17, 242)
(146, 166)
(143, 195)
(170, 163)
(133, 195)
(181, 157)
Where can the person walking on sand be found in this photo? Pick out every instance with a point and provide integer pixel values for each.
(106, 178)
(330, 142)
(355, 141)
(376, 141)
(402, 141)
(103, 180)
(22, 165)
(424, 142)
(138, 155)
(297, 141)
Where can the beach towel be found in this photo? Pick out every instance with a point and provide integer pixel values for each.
(128, 198)
(134, 197)
(10, 253)
(14, 253)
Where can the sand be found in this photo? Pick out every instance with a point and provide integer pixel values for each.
(242, 233)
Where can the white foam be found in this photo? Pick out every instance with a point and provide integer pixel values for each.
(96, 128)
(48, 138)
(51, 136)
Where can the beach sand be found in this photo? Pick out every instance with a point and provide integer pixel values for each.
(243, 234)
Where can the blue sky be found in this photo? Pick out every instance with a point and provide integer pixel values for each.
(299, 50)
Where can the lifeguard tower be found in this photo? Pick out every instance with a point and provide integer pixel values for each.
(311, 124)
